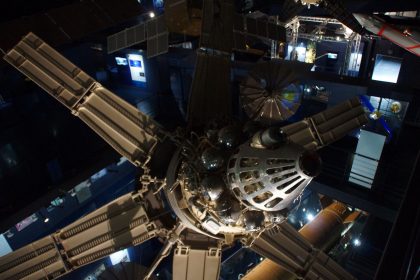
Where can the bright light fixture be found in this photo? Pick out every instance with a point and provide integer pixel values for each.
(347, 31)
(357, 242)
(46, 220)
(119, 256)
(310, 216)
(152, 14)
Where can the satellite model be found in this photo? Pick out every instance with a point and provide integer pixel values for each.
(223, 186)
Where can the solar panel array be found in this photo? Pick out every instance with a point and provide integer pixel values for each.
(217, 25)
(156, 34)
(157, 37)
(153, 31)
(126, 38)
(246, 28)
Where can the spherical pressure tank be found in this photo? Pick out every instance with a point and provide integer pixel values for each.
(213, 186)
(233, 214)
(270, 179)
(212, 159)
(229, 137)
(253, 220)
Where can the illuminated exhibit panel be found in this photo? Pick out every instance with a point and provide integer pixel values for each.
(121, 61)
(158, 4)
(387, 68)
(4, 246)
(137, 70)
(355, 61)
(298, 53)
(366, 158)
(120, 256)
(332, 55)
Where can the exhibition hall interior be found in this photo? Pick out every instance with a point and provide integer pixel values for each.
(210, 139)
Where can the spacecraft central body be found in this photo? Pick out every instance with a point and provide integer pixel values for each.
(232, 188)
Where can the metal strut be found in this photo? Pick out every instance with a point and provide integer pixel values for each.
(131, 133)
(119, 224)
(173, 237)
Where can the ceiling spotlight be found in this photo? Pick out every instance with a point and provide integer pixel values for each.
(310, 216)
(152, 14)
(46, 219)
(357, 242)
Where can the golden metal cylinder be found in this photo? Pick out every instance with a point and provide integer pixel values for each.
(321, 232)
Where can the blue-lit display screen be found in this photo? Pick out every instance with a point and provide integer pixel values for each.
(331, 55)
(158, 4)
(135, 63)
(121, 60)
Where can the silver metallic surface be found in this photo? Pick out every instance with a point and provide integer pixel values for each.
(276, 217)
(268, 180)
(175, 196)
